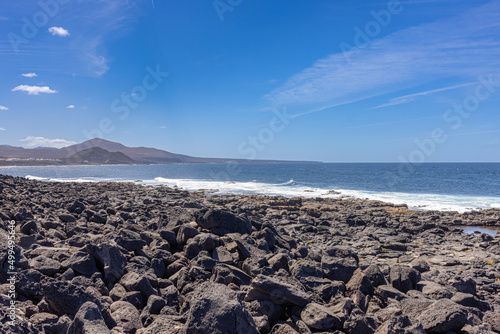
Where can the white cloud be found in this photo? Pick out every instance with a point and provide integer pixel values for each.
(32, 142)
(3, 108)
(34, 90)
(2, 129)
(70, 106)
(461, 47)
(411, 97)
(58, 31)
(163, 127)
(29, 75)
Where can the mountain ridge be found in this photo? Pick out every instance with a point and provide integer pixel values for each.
(14, 155)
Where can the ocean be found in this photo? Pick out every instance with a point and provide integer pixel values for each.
(432, 186)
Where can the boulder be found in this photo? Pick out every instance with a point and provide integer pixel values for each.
(216, 309)
(126, 316)
(221, 222)
(404, 278)
(269, 288)
(45, 265)
(81, 263)
(88, 320)
(318, 317)
(443, 316)
(399, 325)
(163, 324)
(110, 258)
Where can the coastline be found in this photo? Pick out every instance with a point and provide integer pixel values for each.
(159, 256)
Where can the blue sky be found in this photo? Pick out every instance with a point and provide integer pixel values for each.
(350, 81)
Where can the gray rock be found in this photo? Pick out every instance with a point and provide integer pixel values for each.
(163, 324)
(88, 320)
(134, 282)
(126, 316)
(67, 218)
(283, 328)
(420, 265)
(45, 265)
(259, 308)
(109, 257)
(399, 325)
(386, 291)
(360, 282)
(216, 309)
(223, 222)
(360, 323)
(268, 288)
(339, 269)
(303, 269)
(81, 263)
(404, 278)
(375, 275)
(443, 316)
(413, 307)
(466, 299)
(186, 232)
(492, 318)
(319, 317)
(434, 290)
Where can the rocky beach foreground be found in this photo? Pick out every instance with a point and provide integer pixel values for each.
(125, 258)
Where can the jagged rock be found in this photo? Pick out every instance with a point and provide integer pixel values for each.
(216, 309)
(88, 320)
(466, 299)
(339, 269)
(360, 282)
(45, 265)
(81, 263)
(109, 257)
(221, 222)
(126, 316)
(404, 278)
(267, 288)
(399, 325)
(163, 324)
(319, 317)
(434, 290)
(443, 316)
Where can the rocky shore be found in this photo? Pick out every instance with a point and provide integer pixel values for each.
(124, 258)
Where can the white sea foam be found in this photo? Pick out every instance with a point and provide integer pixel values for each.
(293, 189)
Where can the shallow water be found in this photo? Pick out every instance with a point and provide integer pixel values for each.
(491, 230)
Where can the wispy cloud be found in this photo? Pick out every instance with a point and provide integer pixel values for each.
(393, 122)
(70, 106)
(29, 75)
(104, 21)
(2, 129)
(461, 47)
(59, 31)
(411, 97)
(34, 90)
(32, 142)
(3, 108)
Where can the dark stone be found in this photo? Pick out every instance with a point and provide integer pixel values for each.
(88, 320)
(216, 309)
(222, 222)
(404, 278)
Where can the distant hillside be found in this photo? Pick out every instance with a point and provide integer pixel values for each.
(97, 155)
(74, 155)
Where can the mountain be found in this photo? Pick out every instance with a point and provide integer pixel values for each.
(78, 152)
(100, 156)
